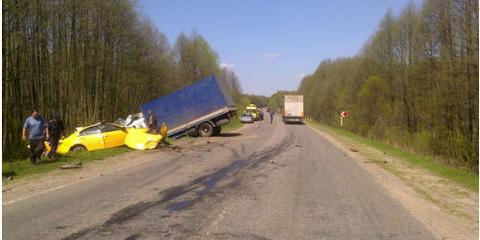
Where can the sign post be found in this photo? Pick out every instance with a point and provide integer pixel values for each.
(343, 115)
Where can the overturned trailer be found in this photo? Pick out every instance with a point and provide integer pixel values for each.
(199, 109)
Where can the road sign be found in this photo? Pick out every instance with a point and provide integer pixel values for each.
(343, 115)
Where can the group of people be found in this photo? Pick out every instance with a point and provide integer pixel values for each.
(40, 130)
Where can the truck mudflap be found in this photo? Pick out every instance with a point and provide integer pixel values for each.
(293, 119)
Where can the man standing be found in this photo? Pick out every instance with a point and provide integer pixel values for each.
(56, 130)
(270, 110)
(151, 122)
(35, 125)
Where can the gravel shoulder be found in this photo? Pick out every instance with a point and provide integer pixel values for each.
(448, 209)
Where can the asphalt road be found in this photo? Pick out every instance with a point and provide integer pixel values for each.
(265, 182)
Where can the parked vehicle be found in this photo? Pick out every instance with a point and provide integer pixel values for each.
(253, 113)
(93, 137)
(293, 108)
(199, 109)
(253, 110)
(247, 118)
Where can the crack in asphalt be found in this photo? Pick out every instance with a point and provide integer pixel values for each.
(192, 192)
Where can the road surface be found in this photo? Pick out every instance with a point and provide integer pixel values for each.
(264, 182)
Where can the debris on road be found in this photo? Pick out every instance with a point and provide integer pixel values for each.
(201, 149)
(175, 148)
(354, 150)
(72, 165)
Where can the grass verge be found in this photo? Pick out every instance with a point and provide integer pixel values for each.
(232, 125)
(462, 176)
(23, 167)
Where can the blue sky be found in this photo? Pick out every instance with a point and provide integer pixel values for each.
(271, 44)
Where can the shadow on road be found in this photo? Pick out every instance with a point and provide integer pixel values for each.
(229, 134)
(294, 123)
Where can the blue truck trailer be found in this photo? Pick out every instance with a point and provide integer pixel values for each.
(199, 109)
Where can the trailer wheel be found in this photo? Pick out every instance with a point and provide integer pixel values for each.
(216, 130)
(192, 132)
(205, 129)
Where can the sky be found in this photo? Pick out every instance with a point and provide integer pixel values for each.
(271, 45)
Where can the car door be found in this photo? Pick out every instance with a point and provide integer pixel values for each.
(113, 135)
(91, 138)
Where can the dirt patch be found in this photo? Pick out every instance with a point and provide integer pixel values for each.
(447, 209)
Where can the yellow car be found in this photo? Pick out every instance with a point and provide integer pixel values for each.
(96, 136)
(253, 110)
(141, 139)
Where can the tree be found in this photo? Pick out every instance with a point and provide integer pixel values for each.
(414, 83)
(90, 60)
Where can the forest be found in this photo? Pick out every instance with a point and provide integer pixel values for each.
(91, 61)
(414, 84)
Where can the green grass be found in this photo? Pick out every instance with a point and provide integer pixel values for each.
(459, 175)
(232, 125)
(23, 167)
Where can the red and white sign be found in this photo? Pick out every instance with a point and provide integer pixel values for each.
(344, 114)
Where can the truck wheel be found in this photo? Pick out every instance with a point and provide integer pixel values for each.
(217, 130)
(205, 129)
(192, 132)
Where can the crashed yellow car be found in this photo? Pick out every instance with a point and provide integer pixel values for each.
(93, 137)
(109, 135)
(140, 139)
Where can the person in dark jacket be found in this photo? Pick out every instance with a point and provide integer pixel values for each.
(35, 125)
(270, 110)
(151, 122)
(56, 130)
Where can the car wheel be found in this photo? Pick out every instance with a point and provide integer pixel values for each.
(78, 148)
(205, 129)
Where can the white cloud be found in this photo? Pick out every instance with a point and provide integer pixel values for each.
(301, 75)
(271, 55)
(227, 65)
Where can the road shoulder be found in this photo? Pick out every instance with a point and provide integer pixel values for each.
(448, 209)
(38, 184)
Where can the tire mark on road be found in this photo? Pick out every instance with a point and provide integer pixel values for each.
(188, 194)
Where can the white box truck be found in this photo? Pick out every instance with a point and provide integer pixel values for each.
(293, 108)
